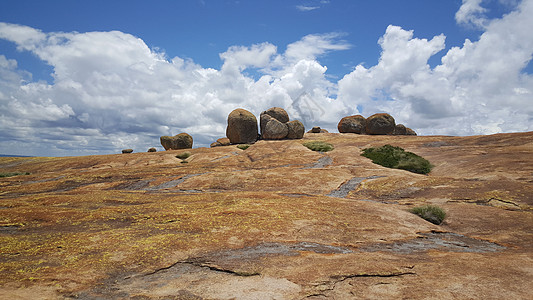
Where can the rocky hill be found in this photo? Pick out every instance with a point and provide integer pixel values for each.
(274, 221)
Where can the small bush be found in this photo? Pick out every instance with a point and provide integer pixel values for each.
(10, 174)
(183, 155)
(184, 162)
(431, 213)
(243, 146)
(397, 158)
(319, 146)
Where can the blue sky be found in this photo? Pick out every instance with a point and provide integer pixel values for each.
(69, 90)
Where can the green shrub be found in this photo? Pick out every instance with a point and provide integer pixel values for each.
(183, 155)
(9, 174)
(397, 158)
(243, 146)
(319, 146)
(431, 213)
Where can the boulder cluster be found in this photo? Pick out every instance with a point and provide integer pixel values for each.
(274, 125)
(378, 124)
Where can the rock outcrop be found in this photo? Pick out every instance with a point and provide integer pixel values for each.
(242, 127)
(275, 125)
(152, 149)
(127, 151)
(179, 141)
(352, 124)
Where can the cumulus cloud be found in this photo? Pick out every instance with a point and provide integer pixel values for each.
(111, 91)
(472, 13)
(479, 88)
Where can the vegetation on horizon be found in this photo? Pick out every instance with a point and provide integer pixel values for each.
(397, 158)
(431, 213)
(320, 146)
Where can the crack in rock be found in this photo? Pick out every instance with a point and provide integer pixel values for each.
(172, 183)
(321, 163)
(445, 241)
(344, 189)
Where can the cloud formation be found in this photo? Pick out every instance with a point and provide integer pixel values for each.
(111, 91)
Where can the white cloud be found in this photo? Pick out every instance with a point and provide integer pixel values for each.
(314, 45)
(477, 89)
(306, 8)
(472, 13)
(111, 91)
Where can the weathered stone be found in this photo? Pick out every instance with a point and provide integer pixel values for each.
(277, 113)
(409, 131)
(296, 129)
(127, 151)
(242, 127)
(352, 124)
(380, 124)
(315, 129)
(275, 130)
(179, 141)
(400, 129)
(152, 149)
(221, 142)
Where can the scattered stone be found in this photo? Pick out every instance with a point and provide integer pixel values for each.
(352, 124)
(179, 141)
(221, 142)
(152, 149)
(315, 129)
(296, 130)
(380, 124)
(242, 127)
(127, 151)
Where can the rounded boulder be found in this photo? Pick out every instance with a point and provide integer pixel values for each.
(242, 127)
(352, 124)
(275, 130)
(179, 141)
(296, 129)
(380, 124)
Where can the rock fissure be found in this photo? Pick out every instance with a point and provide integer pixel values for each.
(345, 188)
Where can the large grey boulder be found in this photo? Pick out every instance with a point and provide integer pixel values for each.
(179, 141)
(380, 124)
(296, 129)
(242, 127)
(352, 124)
(274, 130)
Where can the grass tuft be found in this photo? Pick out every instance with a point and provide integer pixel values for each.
(397, 158)
(243, 146)
(10, 174)
(183, 155)
(431, 213)
(319, 146)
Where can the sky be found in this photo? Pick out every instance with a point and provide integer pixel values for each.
(96, 77)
